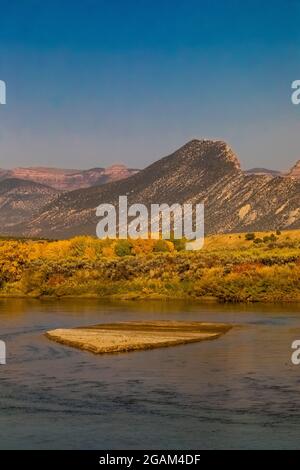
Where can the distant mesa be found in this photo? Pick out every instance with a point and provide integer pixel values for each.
(69, 179)
(264, 171)
(294, 172)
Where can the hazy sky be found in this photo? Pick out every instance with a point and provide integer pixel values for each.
(90, 83)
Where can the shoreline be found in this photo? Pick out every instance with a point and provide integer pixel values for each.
(154, 297)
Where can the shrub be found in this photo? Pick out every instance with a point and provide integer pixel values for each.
(270, 238)
(179, 244)
(123, 248)
(161, 246)
(250, 236)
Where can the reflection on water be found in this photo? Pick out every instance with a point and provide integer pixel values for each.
(240, 391)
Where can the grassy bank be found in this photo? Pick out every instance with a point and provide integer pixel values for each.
(230, 268)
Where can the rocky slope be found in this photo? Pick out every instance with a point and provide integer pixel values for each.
(68, 180)
(295, 171)
(200, 171)
(21, 200)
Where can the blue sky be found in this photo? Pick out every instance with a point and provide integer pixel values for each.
(90, 83)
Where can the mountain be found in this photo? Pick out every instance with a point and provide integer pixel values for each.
(201, 171)
(22, 200)
(68, 179)
(114, 173)
(263, 171)
(295, 171)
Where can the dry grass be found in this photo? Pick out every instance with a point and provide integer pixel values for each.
(237, 240)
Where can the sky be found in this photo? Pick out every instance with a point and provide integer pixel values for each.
(91, 83)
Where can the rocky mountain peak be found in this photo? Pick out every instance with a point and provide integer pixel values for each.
(209, 155)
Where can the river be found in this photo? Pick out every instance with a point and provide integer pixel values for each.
(238, 392)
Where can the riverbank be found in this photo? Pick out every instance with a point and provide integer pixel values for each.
(254, 267)
(132, 336)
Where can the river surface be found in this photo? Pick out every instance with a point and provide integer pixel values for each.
(238, 392)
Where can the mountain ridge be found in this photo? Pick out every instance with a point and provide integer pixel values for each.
(68, 179)
(204, 171)
(21, 200)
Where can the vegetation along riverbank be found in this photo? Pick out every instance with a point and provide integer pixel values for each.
(244, 267)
